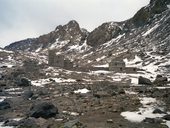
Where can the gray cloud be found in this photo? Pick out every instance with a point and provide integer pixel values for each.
(22, 19)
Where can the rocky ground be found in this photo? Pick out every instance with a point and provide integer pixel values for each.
(50, 102)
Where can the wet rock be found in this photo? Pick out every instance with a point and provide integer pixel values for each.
(44, 110)
(4, 105)
(24, 82)
(166, 117)
(143, 80)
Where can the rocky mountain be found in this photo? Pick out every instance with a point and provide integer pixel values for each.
(90, 94)
(70, 32)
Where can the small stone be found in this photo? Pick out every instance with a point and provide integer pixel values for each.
(109, 121)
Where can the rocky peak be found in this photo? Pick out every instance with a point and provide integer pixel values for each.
(146, 14)
(73, 24)
(70, 32)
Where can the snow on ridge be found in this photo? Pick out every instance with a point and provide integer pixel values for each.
(151, 30)
(1, 50)
(79, 48)
(59, 44)
(39, 49)
(101, 58)
(107, 44)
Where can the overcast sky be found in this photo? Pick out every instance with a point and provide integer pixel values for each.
(21, 19)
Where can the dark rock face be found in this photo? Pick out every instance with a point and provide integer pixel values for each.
(4, 105)
(145, 81)
(103, 33)
(44, 110)
(144, 15)
(20, 45)
(24, 82)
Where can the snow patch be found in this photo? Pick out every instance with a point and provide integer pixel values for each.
(39, 49)
(1, 50)
(151, 30)
(71, 113)
(59, 44)
(101, 58)
(99, 72)
(84, 90)
(145, 112)
(104, 65)
(133, 63)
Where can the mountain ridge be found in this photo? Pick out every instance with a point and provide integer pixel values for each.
(105, 32)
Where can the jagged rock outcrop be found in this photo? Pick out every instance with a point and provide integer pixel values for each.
(21, 45)
(146, 14)
(103, 33)
(70, 31)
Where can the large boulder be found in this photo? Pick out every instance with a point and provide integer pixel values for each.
(24, 82)
(4, 105)
(143, 80)
(44, 109)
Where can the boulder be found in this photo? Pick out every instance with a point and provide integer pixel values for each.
(160, 79)
(24, 82)
(143, 80)
(44, 109)
(158, 111)
(4, 105)
(166, 117)
(27, 94)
